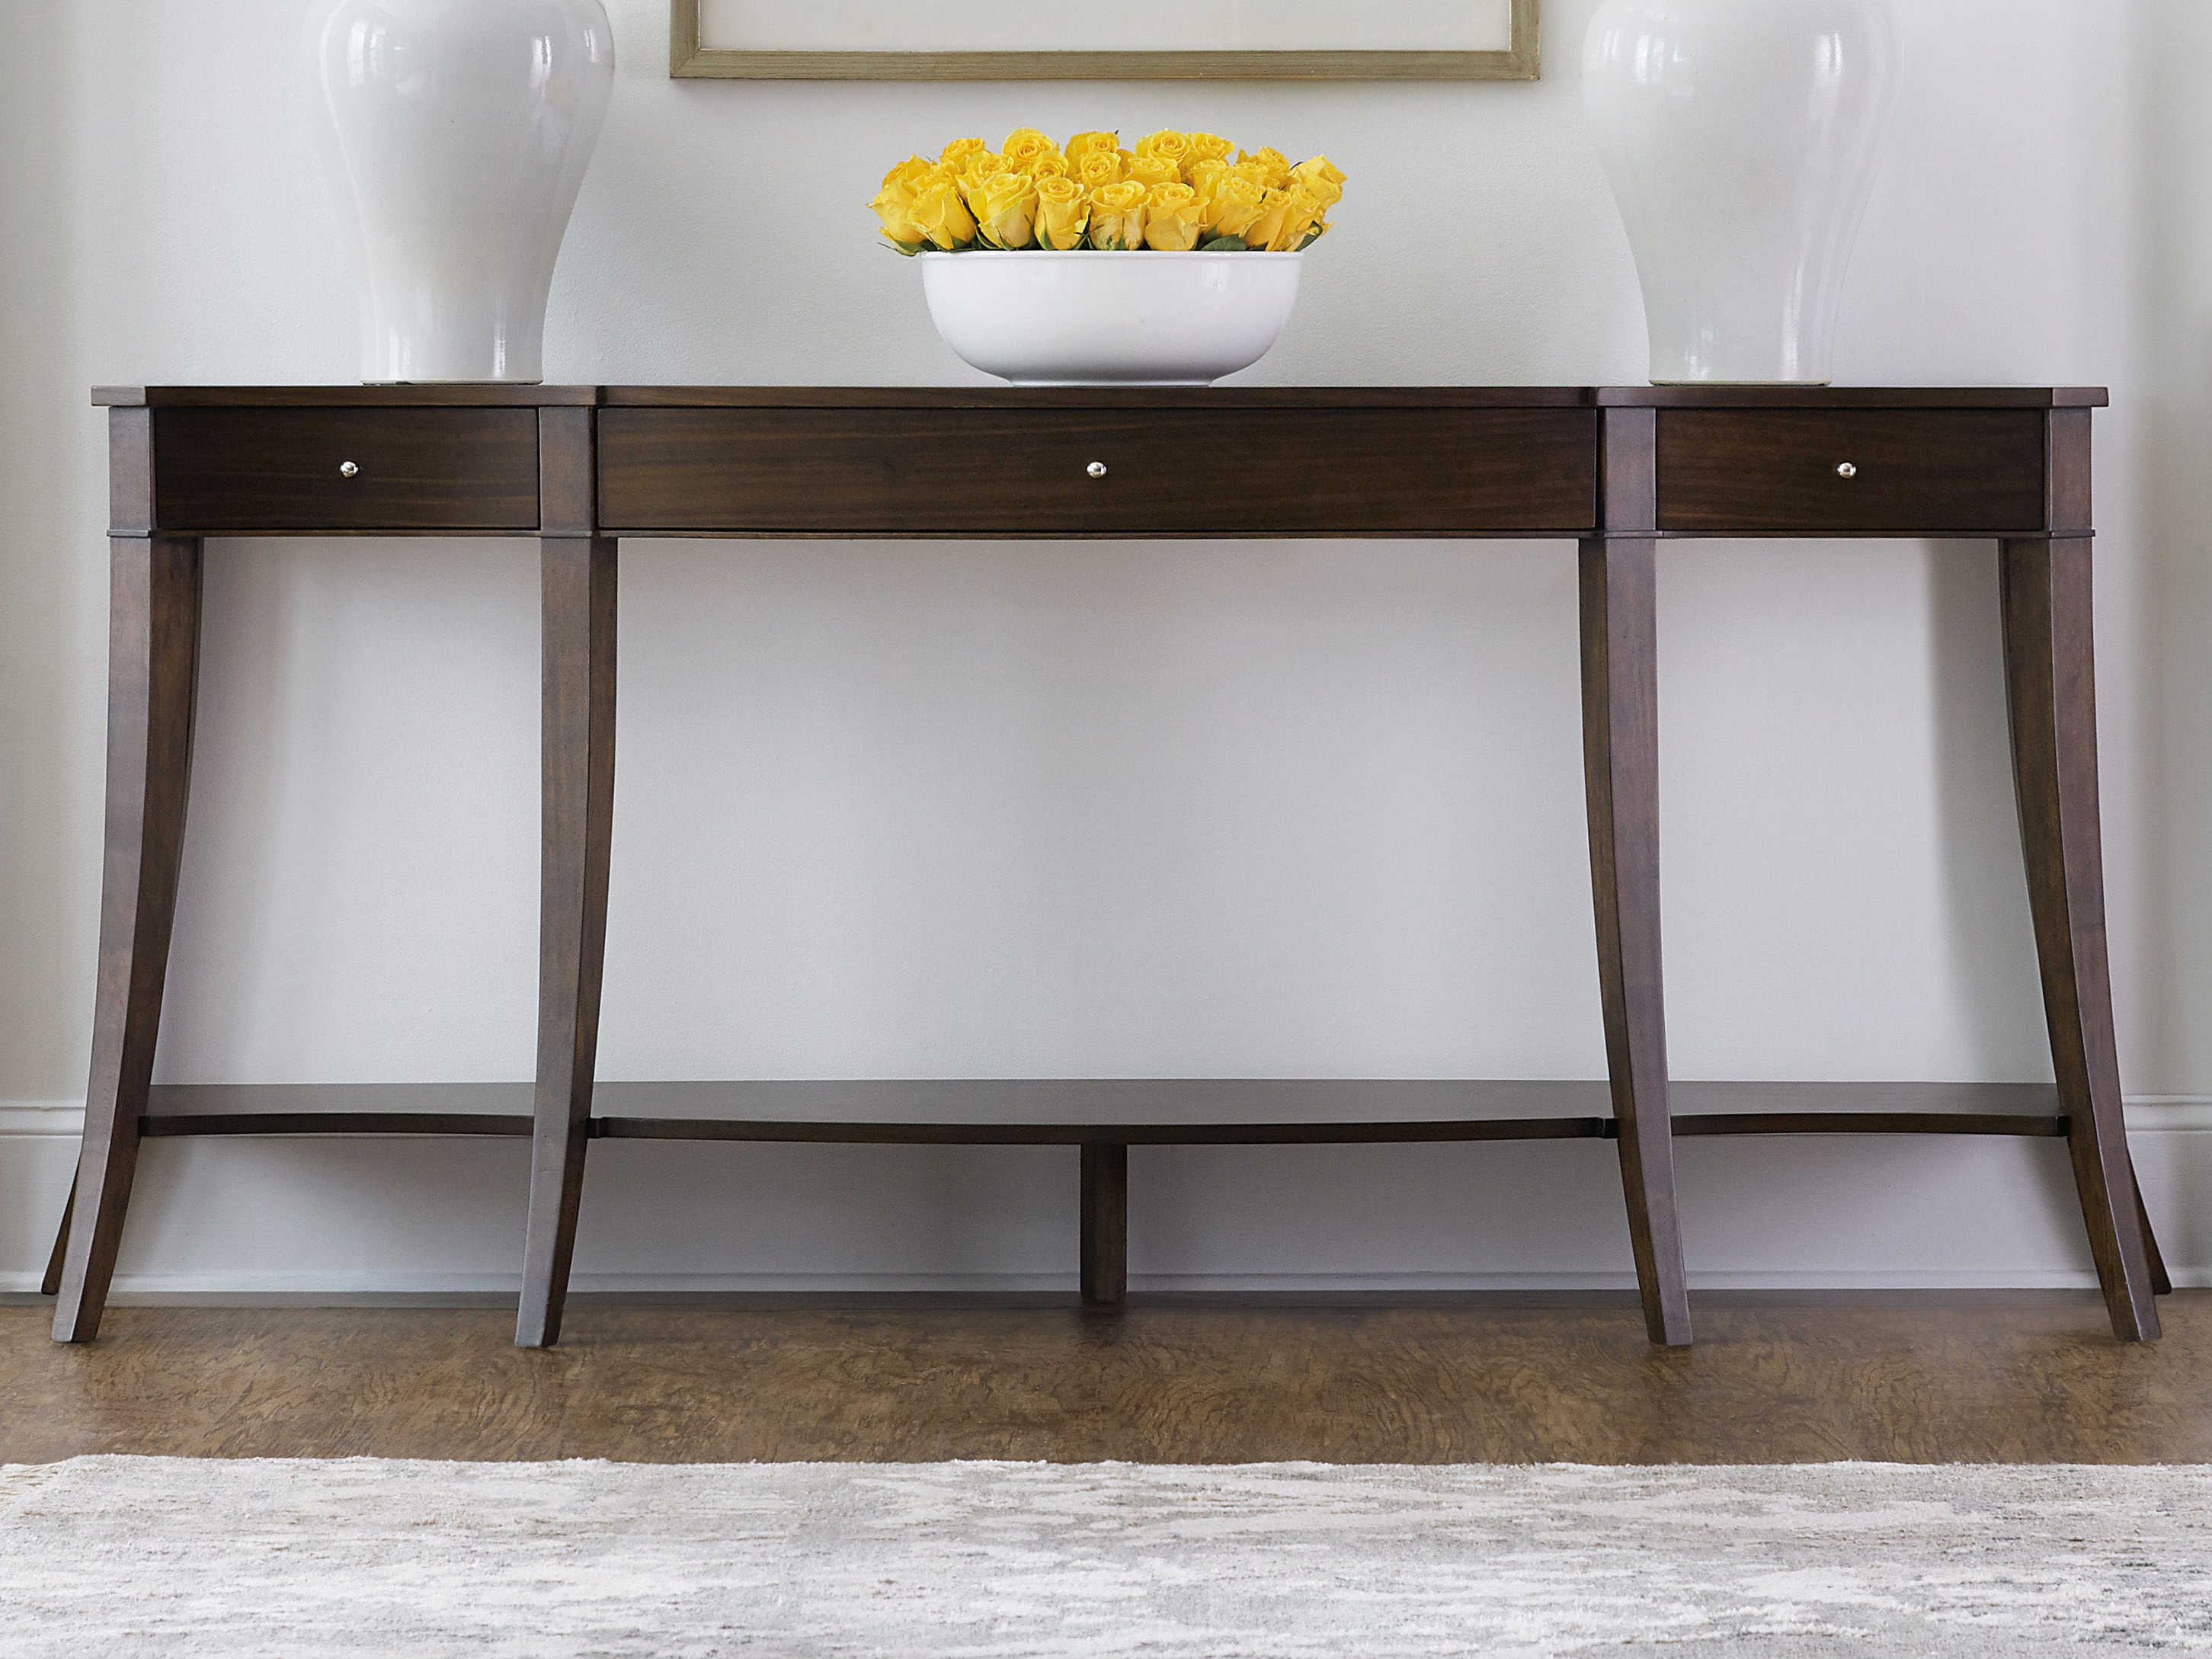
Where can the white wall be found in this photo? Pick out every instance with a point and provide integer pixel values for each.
(1143, 810)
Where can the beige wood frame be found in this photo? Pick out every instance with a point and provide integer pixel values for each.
(688, 60)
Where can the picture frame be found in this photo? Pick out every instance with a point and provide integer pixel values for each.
(690, 58)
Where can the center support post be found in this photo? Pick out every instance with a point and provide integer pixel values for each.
(1104, 1244)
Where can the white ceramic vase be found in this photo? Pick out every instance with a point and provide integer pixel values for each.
(1091, 317)
(459, 133)
(1741, 138)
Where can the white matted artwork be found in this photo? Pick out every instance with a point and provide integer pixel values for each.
(1147, 39)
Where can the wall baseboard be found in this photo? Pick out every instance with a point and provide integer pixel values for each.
(41, 1117)
(366, 1287)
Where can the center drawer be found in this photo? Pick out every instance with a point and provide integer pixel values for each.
(893, 471)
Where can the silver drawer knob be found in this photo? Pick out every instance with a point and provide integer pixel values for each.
(347, 469)
(1096, 468)
(1847, 470)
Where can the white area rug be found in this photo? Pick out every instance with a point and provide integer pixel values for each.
(165, 1556)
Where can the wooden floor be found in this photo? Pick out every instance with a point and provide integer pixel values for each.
(1179, 1382)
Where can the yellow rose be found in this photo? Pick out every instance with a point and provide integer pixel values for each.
(1233, 207)
(1322, 178)
(894, 205)
(1320, 190)
(1274, 206)
(1005, 209)
(1090, 143)
(1023, 146)
(1259, 173)
(1063, 213)
(956, 153)
(941, 216)
(1275, 166)
(1173, 218)
(906, 171)
(1050, 165)
(1302, 211)
(1166, 145)
(1117, 215)
(1151, 170)
(1098, 168)
(1204, 177)
(981, 166)
(1206, 146)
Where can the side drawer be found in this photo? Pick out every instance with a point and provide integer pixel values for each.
(1788, 470)
(284, 469)
(1029, 472)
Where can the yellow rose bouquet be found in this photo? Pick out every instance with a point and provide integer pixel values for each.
(1170, 192)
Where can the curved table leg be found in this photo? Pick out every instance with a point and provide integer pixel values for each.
(52, 1284)
(1620, 762)
(153, 666)
(2161, 1283)
(578, 763)
(2051, 685)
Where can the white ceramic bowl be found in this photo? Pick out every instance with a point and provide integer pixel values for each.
(1085, 318)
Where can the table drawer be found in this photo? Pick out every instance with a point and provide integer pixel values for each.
(284, 469)
(1029, 472)
(1876, 470)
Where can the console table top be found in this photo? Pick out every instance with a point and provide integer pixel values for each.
(894, 397)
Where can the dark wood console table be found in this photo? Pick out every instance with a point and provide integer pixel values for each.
(1613, 469)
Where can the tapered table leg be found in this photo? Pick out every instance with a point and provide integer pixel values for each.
(577, 762)
(152, 665)
(2051, 683)
(2161, 1283)
(1620, 763)
(1104, 1245)
(52, 1284)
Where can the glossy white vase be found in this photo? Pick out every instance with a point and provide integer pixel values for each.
(1091, 317)
(1741, 138)
(458, 135)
